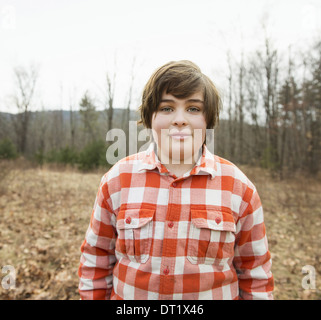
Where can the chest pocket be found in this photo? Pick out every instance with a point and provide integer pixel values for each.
(135, 232)
(211, 237)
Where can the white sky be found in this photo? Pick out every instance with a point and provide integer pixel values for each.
(74, 42)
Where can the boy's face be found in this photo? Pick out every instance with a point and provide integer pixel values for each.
(179, 128)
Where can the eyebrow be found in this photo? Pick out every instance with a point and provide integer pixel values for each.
(189, 100)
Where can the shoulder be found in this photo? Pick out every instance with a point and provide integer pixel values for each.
(226, 168)
(129, 164)
(244, 195)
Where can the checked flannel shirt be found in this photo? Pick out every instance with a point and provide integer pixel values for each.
(155, 236)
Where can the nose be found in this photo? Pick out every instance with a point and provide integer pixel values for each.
(179, 118)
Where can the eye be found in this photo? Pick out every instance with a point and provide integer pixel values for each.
(166, 109)
(193, 109)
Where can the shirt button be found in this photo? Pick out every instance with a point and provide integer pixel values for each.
(171, 224)
(217, 220)
(128, 220)
(166, 271)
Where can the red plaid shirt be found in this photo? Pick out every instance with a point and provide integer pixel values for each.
(155, 236)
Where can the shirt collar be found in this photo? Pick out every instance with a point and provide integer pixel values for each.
(205, 164)
(150, 161)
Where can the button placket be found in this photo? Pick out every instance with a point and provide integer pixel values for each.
(170, 230)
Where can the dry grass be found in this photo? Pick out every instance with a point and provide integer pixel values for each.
(44, 216)
(45, 213)
(292, 215)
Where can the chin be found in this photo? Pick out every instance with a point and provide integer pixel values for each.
(179, 153)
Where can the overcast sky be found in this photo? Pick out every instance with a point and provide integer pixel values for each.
(75, 42)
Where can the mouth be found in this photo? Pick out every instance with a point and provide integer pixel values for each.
(180, 135)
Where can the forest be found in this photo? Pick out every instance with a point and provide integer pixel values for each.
(271, 116)
(51, 162)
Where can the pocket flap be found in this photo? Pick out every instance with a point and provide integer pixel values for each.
(213, 219)
(134, 218)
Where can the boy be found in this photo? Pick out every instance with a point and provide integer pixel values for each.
(175, 221)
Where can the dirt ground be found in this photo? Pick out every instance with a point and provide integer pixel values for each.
(44, 214)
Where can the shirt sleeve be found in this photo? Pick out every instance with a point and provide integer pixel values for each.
(98, 250)
(252, 259)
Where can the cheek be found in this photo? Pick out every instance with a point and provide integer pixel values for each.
(199, 126)
(158, 123)
(200, 123)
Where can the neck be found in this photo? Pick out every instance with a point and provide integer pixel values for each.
(178, 166)
(178, 169)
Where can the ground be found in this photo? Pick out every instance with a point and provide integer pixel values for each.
(44, 214)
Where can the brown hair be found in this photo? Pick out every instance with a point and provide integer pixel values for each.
(181, 79)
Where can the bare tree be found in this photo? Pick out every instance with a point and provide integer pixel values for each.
(40, 128)
(312, 108)
(288, 100)
(231, 113)
(268, 68)
(4, 127)
(126, 114)
(72, 123)
(26, 80)
(111, 94)
(89, 116)
(110, 91)
(252, 105)
(240, 107)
